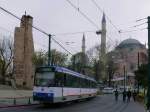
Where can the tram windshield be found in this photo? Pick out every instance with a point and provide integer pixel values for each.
(44, 79)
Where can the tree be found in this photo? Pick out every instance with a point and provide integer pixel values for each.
(58, 58)
(111, 68)
(78, 63)
(6, 57)
(40, 58)
(141, 75)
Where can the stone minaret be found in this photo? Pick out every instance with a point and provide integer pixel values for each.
(83, 54)
(103, 48)
(83, 44)
(23, 52)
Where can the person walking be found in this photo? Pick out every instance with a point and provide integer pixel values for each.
(128, 95)
(124, 95)
(134, 93)
(116, 95)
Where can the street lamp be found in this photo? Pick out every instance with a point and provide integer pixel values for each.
(124, 82)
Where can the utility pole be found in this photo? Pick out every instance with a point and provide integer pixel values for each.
(138, 69)
(124, 82)
(148, 92)
(49, 50)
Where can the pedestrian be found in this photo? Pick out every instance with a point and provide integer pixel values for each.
(116, 95)
(134, 94)
(124, 95)
(128, 95)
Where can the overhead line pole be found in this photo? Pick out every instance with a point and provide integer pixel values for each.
(49, 51)
(148, 92)
(124, 81)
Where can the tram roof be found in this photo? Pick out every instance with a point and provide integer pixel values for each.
(66, 70)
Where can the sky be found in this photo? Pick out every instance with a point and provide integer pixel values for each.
(58, 17)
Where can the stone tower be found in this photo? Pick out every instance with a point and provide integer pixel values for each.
(23, 52)
(103, 49)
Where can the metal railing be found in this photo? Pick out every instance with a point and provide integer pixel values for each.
(14, 101)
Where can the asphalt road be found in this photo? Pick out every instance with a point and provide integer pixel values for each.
(104, 103)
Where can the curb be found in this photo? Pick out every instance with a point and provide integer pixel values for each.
(11, 106)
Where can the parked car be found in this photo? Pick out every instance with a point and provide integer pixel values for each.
(108, 90)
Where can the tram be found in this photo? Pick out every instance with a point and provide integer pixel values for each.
(53, 84)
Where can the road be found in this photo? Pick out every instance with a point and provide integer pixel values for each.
(104, 103)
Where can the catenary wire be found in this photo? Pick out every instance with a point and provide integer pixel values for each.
(84, 15)
(122, 31)
(94, 2)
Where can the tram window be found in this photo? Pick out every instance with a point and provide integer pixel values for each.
(44, 79)
(82, 83)
(59, 79)
(72, 81)
(68, 81)
(91, 84)
(86, 83)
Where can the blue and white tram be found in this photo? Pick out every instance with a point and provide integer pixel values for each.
(53, 84)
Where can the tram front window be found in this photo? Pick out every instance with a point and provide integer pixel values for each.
(45, 79)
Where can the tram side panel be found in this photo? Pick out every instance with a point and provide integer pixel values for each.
(71, 93)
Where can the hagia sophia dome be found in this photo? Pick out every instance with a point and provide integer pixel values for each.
(130, 42)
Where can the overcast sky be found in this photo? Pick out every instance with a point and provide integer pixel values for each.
(58, 16)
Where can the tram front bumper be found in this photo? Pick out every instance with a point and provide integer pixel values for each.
(45, 97)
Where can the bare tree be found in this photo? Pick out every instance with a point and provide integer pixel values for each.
(40, 58)
(6, 57)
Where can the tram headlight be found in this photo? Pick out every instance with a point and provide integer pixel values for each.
(49, 94)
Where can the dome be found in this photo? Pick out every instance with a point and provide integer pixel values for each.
(130, 43)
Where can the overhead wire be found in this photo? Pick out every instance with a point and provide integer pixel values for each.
(123, 31)
(140, 24)
(38, 29)
(74, 33)
(135, 26)
(140, 19)
(84, 15)
(95, 3)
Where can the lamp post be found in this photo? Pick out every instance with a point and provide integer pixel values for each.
(124, 82)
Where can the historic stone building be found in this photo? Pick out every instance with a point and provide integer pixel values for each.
(23, 52)
(126, 57)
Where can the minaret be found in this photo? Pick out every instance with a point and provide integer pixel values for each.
(103, 48)
(83, 55)
(103, 36)
(83, 44)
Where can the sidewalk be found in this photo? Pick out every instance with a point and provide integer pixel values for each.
(135, 107)
(15, 97)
